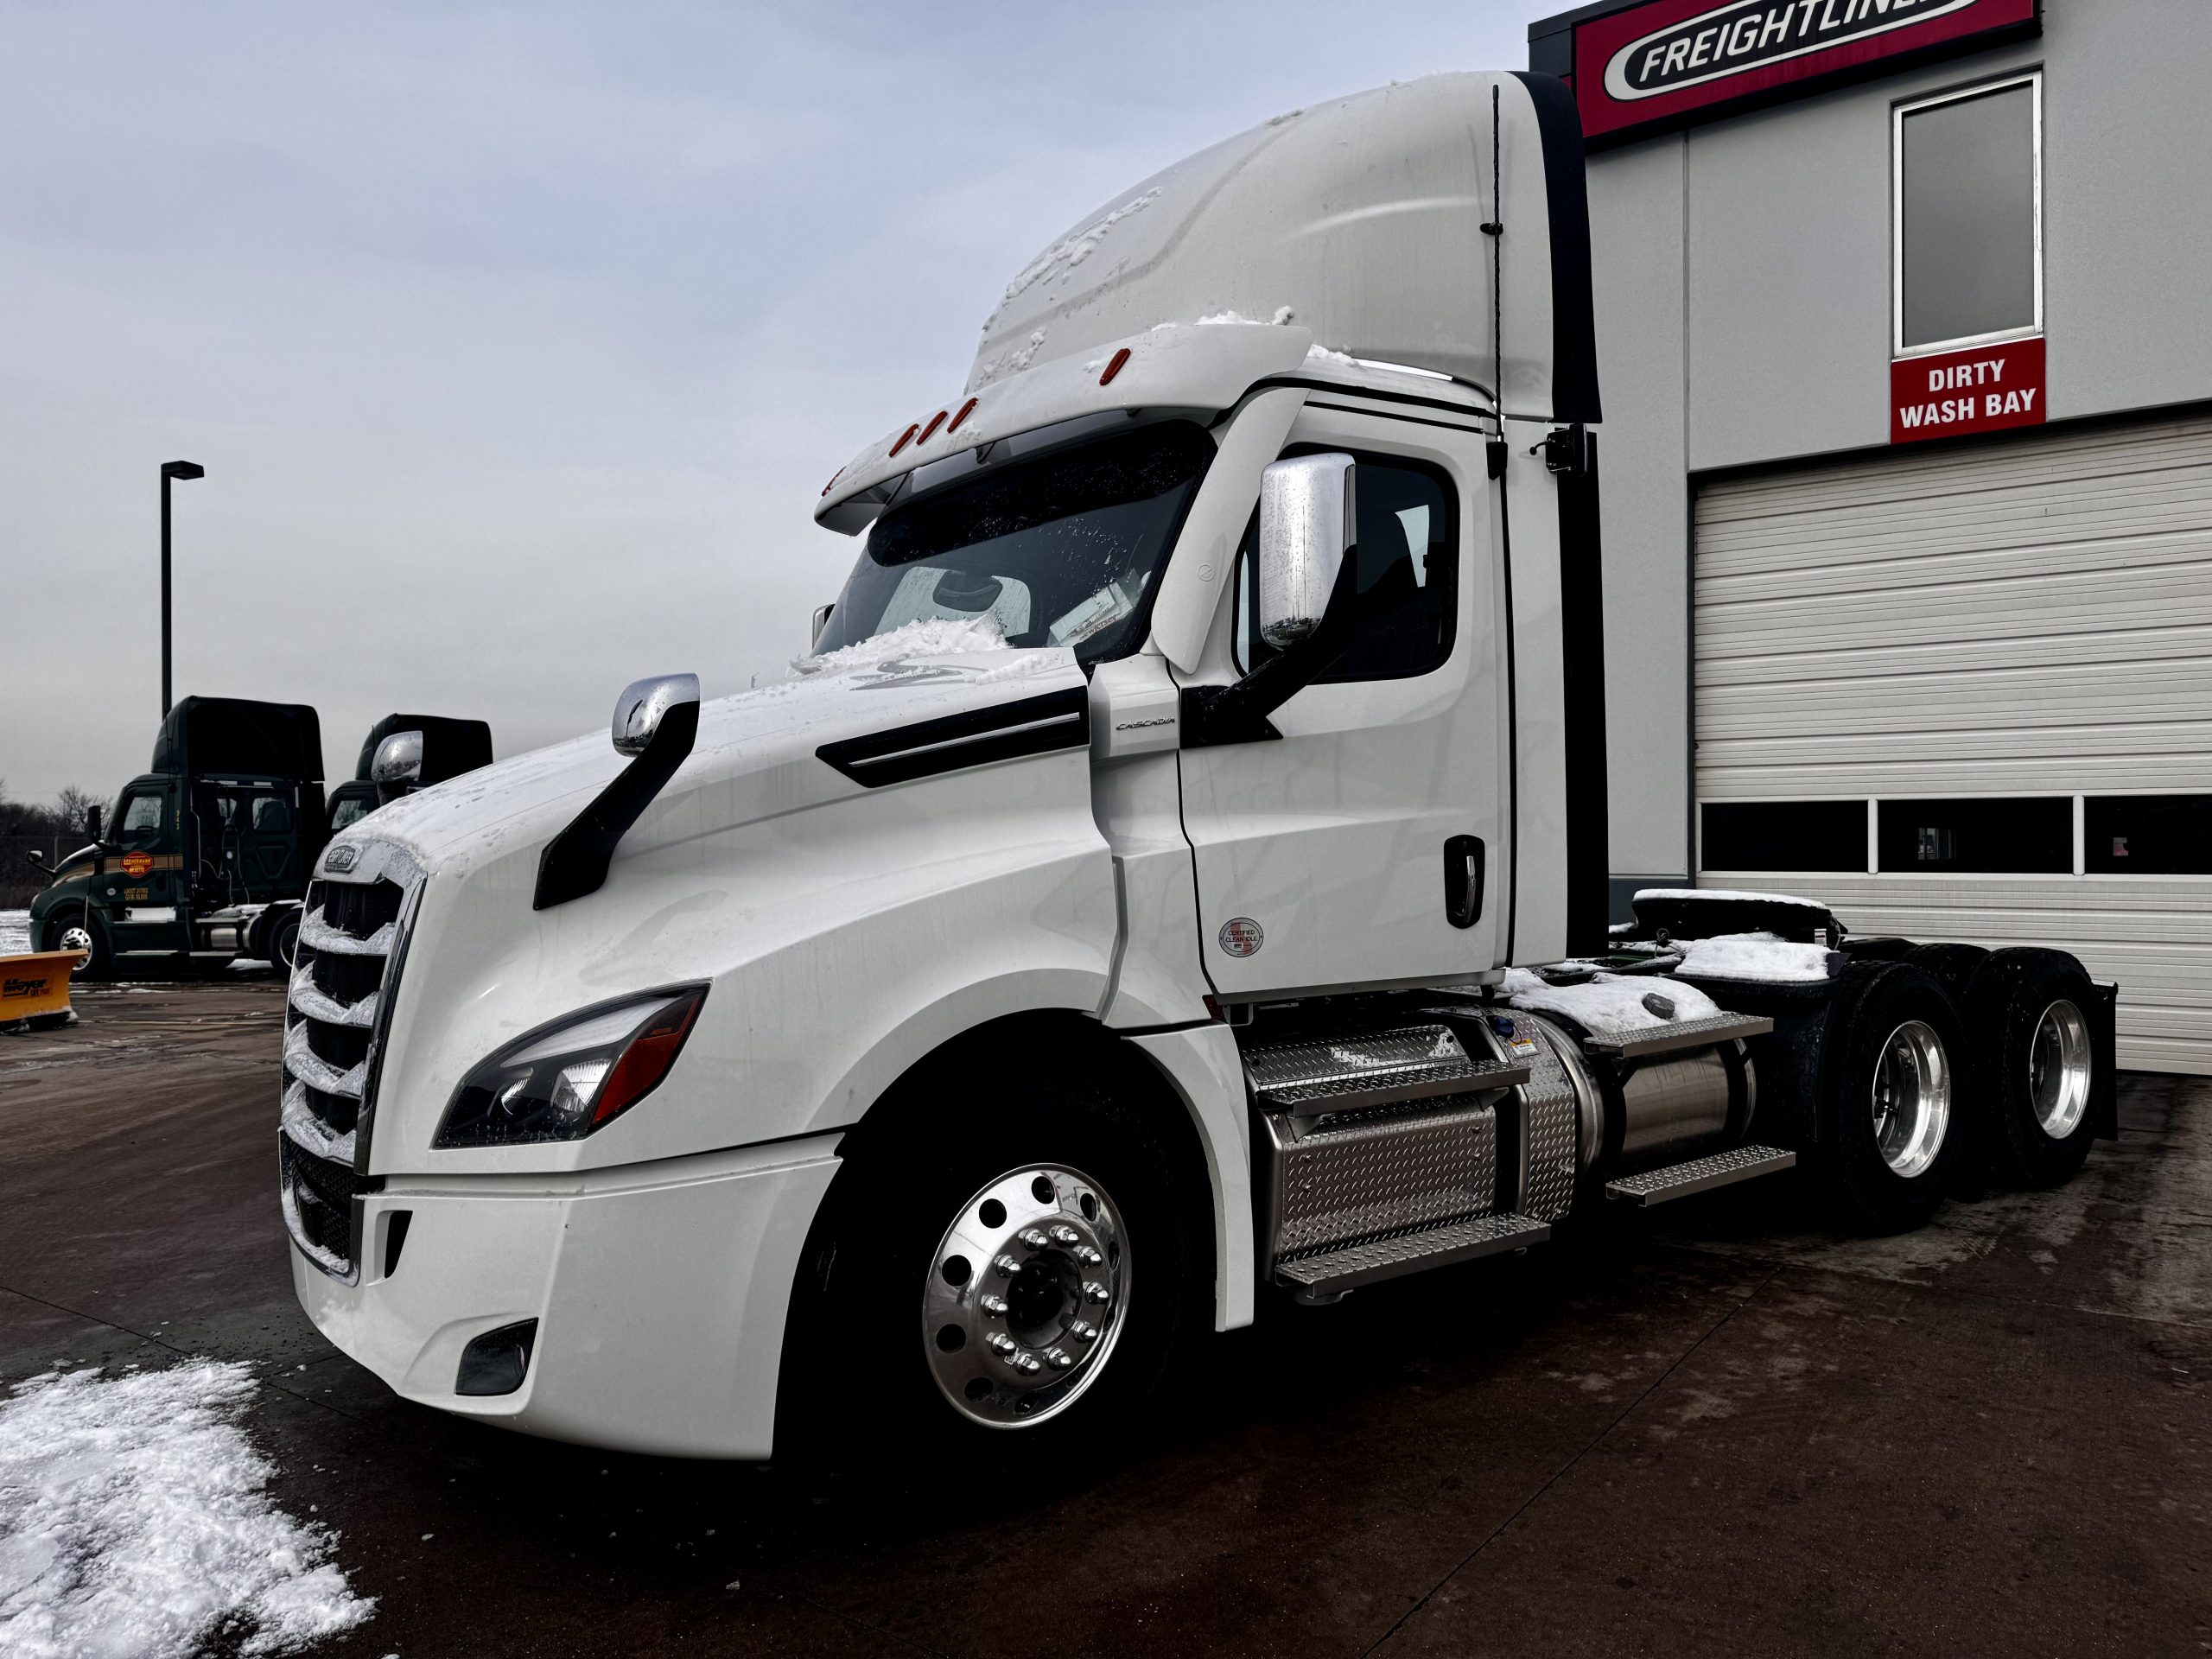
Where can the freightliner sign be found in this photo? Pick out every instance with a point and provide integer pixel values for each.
(1669, 62)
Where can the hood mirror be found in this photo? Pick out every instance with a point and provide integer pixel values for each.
(1306, 519)
(397, 766)
(644, 704)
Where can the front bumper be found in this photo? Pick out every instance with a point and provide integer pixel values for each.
(660, 1292)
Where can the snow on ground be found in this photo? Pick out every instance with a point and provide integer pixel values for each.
(134, 1525)
(1609, 1003)
(930, 636)
(14, 932)
(1751, 955)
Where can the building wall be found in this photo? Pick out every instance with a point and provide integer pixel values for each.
(1742, 300)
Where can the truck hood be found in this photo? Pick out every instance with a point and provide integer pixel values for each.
(754, 756)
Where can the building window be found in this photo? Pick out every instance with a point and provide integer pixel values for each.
(2147, 835)
(1968, 231)
(1989, 834)
(1767, 836)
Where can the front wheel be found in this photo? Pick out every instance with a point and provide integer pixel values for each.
(76, 929)
(1020, 1275)
(1894, 1106)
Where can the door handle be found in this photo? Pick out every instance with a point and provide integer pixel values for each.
(1462, 879)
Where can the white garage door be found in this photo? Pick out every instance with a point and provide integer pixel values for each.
(1967, 694)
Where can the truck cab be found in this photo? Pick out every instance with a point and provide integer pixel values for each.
(209, 846)
(1172, 886)
(442, 747)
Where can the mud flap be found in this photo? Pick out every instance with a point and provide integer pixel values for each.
(2104, 1043)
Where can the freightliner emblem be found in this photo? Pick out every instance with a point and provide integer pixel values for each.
(1733, 39)
(341, 858)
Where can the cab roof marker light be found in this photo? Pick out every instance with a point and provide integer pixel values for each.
(966, 409)
(905, 438)
(1115, 367)
(936, 421)
(832, 484)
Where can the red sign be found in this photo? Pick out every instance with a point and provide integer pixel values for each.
(1671, 61)
(1982, 389)
(136, 864)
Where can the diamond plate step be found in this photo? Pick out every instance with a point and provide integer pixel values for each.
(1701, 1174)
(1689, 1034)
(1337, 1074)
(1326, 1274)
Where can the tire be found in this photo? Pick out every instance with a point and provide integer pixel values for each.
(2028, 1017)
(1894, 1093)
(909, 1247)
(284, 940)
(74, 928)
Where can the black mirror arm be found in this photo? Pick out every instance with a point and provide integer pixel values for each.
(574, 861)
(1238, 713)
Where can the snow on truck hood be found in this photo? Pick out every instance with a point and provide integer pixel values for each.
(919, 671)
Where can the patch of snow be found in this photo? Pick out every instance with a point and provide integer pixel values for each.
(14, 932)
(1609, 1004)
(1238, 320)
(134, 1524)
(929, 636)
(1064, 255)
(1335, 360)
(1012, 360)
(1729, 893)
(1752, 955)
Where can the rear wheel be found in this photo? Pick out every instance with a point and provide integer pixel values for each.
(2028, 1011)
(284, 940)
(1892, 1117)
(76, 929)
(1019, 1278)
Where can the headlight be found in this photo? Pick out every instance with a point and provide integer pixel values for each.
(563, 1081)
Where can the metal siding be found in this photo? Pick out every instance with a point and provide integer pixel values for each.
(2027, 617)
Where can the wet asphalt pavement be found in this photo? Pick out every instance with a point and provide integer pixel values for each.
(1715, 1428)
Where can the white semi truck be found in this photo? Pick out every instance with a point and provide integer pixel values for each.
(1176, 884)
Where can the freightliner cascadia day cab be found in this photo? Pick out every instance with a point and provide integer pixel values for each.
(1175, 883)
(206, 857)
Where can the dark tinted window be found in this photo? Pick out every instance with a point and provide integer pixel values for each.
(1408, 577)
(1993, 834)
(2147, 835)
(140, 821)
(1063, 550)
(272, 816)
(1824, 835)
(1967, 220)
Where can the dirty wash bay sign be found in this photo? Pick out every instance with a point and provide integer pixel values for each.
(1984, 389)
(1666, 63)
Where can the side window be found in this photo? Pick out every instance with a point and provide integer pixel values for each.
(272, 816)
(141, 820)
(1407, 550)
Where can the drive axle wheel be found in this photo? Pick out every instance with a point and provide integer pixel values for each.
(2036, 1064)
(1892, 1108)
(1025, 1297)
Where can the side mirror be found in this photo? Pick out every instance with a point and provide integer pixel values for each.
(644, 704)
(37, 859)
(1306, 529)
(92, 825)
(821, 621)
(397, 765)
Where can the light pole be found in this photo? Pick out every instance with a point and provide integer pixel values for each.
(186, 469)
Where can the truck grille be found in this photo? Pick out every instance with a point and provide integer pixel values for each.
(338, 1010)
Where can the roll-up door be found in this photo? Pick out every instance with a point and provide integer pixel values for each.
(1967, 694)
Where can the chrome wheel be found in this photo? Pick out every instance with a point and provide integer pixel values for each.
(2058, 1070)
(1026, 1294)
(1912, 1098)
(76, 937)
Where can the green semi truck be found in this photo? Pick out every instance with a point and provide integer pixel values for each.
(205, 856)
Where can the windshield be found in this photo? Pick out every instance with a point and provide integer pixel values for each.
(1063, 550)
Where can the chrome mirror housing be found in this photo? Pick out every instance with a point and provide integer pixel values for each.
(398, 760)
(1306, 519)
(644, 704)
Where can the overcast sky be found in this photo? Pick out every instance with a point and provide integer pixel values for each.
(518, 342)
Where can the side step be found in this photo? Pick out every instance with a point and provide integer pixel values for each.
(1701, 1174)
(1689, 1034)
(1326, 1274)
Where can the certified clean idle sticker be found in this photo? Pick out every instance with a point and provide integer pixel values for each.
(1241, 936)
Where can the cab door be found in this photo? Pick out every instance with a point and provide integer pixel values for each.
(142, 867)
(1363, 848)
